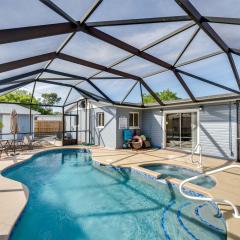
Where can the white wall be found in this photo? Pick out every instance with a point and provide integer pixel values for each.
(23, 124)
(8, 108)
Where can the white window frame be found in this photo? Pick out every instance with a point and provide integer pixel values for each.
(102, 120)
(180, 111)
(133, 127)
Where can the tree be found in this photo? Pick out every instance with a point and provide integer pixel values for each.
(165, 95)
(24, 97)
(21, 96)
(50, 98)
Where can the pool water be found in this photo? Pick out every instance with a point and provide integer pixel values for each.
(70, 198)
(182, 174)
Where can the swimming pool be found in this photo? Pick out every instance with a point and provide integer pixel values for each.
(70, 198)
(181, 173)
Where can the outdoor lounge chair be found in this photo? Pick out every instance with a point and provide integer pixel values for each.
(4, 147)
(68, 136)
(59, 136)
(30, 142)
(57, 141)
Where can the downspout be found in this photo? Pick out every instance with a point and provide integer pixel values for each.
(85, 121)
(230, 130)
(238, 135)
(89, 124)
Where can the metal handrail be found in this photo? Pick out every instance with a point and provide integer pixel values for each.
(199, 162)
(236, 212)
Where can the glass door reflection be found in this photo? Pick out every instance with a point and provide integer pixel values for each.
(173, 139)
(181, 130)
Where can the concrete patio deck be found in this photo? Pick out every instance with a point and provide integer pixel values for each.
(13, 195)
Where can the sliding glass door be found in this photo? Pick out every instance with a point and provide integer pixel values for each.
(173, 130)
(181, 130)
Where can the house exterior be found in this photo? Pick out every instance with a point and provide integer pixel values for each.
(213, 124)
(25, 122)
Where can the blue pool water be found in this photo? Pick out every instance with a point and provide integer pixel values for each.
(181, 173)
(70, 198)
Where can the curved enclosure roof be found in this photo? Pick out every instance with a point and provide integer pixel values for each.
(121, 52)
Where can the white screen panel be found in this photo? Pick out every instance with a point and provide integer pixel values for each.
(118, 9)
(143, 34)
(24, 13)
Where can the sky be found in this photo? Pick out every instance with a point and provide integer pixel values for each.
(216, 69)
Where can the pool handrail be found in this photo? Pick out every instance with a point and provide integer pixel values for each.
(199, 162)
(236, 213)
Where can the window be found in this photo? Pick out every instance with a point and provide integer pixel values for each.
(134, 120)
(100, 119)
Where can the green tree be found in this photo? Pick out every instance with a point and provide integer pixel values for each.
(23, 97)
(50, 98)
(165, 95)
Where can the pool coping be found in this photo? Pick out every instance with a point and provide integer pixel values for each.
(137, 169)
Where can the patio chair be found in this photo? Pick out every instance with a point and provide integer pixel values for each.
(4, 147)
(57, 140)
(30, 142)
(68, 136)
(59, 136)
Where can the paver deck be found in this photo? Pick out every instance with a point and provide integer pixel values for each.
(13, 195)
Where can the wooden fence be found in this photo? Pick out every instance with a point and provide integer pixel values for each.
(46, 127)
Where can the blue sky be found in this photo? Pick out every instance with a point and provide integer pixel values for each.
(216, 69)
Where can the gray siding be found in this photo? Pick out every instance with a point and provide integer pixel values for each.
(105, 137)
(124, 112)
(218, 130)
(152, 126)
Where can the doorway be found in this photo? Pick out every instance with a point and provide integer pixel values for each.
(181, 130)
(70, 129)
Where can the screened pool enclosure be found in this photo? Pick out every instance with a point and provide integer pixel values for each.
(121, 52)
